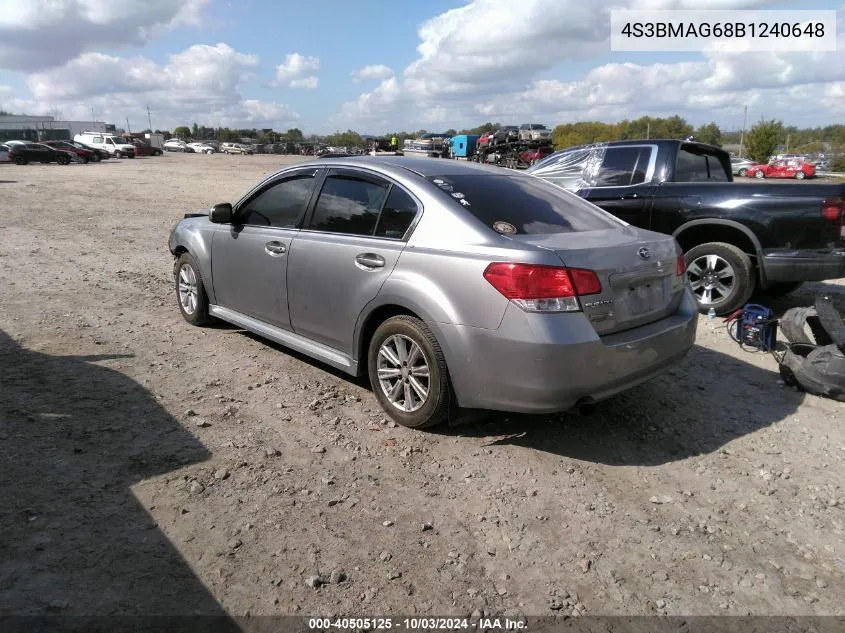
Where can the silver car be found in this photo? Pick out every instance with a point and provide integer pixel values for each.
(740, 166)
(452, 285)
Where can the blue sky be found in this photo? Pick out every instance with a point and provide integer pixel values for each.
(532, 61)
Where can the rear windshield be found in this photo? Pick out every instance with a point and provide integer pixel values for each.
(520, 205)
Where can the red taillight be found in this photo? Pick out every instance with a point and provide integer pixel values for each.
(680, 266)
(833, 210)
(542, 288)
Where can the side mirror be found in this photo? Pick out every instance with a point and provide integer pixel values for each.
(221, 213)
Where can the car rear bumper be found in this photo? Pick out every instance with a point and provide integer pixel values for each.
(548, 363)
(804, 266)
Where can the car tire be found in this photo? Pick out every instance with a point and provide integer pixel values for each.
(20, 160)
(83, 160)
(96, 158)
(417, 340)
(759, 174)
(800, 175)
(780, 289)
(190, 291)
(63, 160)
(705, 262)
(743, 172)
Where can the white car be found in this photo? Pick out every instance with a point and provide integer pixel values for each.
(4, 153)
(202, 148)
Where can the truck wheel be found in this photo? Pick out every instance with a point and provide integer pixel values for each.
(721, 275)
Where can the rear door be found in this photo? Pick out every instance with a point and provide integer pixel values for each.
(621, 186)
(249, 258)
(349, 246)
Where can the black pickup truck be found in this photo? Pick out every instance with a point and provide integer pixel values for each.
(737, 237)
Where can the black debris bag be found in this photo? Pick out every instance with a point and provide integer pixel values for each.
(815, 359)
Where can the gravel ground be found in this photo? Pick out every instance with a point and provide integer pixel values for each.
(153, 467)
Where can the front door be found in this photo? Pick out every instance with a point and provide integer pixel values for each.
(621, 186)
(339, 262)
(249, 258)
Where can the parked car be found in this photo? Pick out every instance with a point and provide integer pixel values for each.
(736, 238)
(97, 153)
(114, 145)
(175, 145)
(143, 148)
(4, 154)
(505, 134)
(797, 169)
(534, 132)
(235, 148)
(740, 166)
(82, 155)
(482, 301)
(531, 156)
(23, 153)
(256, 148)
(822, 166)
(201, 148)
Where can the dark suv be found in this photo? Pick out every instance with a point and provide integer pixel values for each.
(23, 153)
(505, 134)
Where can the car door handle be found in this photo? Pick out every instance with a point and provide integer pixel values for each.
(275, 248)
(369, 261)
(630, 196)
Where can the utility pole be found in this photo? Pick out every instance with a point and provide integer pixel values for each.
(93, 122)
(742, 134)
(647, 131)
(149, 120)
(128, 128)
(787, 144)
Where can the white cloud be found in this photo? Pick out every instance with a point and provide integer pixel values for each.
(201, 83)
(294, 67)
(460, 79)
(374, 71)
(39, 34)
(309, 83)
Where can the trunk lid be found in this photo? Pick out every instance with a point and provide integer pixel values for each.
(637, 270)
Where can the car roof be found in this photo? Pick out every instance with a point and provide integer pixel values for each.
(425, 167)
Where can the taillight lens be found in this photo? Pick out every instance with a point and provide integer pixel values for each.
(833, 210)
(542, 288)
(680, 266)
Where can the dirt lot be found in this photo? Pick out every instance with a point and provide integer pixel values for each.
(153, 467)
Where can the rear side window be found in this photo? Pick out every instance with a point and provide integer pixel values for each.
(623, 166)
(281, 205)
(397, 215)
(698, 165)
(522, 205)
(349, 205)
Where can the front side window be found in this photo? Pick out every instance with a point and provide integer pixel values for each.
(281, 205)
(623, 166)
(350, 205)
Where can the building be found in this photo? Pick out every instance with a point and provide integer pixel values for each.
(45, 128)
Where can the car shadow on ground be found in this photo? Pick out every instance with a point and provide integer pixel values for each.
(8, 182)
(697, 408)
(74, 437)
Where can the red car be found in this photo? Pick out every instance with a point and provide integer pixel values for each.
(531, 156)
(485, 139)
(783, 169)
(82, 155)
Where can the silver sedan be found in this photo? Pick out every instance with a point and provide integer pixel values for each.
(452, 285)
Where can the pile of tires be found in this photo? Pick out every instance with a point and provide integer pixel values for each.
(815, 359)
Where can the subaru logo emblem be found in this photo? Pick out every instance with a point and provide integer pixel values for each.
(644, 253)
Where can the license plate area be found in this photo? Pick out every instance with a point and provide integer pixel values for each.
(643, 297)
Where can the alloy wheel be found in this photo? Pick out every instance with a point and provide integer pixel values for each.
(712, 279)
(403, 373)
(188, 289)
